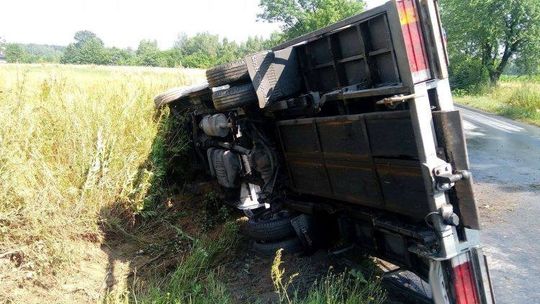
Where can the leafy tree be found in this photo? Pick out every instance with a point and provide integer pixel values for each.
(199, 51)
(488, 34)
(148, 54)
(172, 58)
(528, 61)
(252, 45)
(256, 44)
(31, 52)
(43, 52)
(205, 50)
(82, 37)
(16, 54)
(87, 49)
(228, 51)
(2, 45)
(116, 56)
(302, 16)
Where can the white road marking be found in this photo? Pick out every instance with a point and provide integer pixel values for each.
(492, 122)
(469, 125)
(471, 129)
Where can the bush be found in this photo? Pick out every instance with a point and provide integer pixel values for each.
(468, 75)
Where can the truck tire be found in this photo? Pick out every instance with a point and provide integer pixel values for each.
(289, 246)
(234, 97)
(168, 96)
(406, 288)
(269, 230)
(227, 73)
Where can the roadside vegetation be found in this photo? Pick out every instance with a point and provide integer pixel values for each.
(514, 97)
(488, 38)
(487, 42)
(74, 150)
(202, 50)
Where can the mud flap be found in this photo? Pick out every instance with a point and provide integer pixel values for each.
(450, 135)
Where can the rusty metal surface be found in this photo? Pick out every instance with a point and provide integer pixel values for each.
(350, 159)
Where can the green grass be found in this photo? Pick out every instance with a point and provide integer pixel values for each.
(74, 141)
(515, 97)
(347, 287)
(195, 279)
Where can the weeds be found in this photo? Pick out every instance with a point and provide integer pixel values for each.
(195, 278)
(74, 146)
(526, 99)
(282, 284)
(516, 98)
(347, 287)
(214, 212)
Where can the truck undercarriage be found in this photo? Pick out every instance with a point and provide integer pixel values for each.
(353, 124)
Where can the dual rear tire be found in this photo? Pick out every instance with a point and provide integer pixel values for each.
(273, 233)
(228, 73)
(240, 92)
(234, 97)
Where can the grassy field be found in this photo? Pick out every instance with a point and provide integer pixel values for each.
(74, 148)
(515, 97)
(86, 213)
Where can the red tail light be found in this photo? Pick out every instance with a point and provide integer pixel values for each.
(464, 282)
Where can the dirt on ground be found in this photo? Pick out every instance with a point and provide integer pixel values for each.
(114, 260)
(248, 276)
(494, 203)
(118, 260)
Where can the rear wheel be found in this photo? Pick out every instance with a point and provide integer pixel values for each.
(234, 97)
(227, 73)
(274, 228)
(291, 245)
(405, 287)
(168, 96)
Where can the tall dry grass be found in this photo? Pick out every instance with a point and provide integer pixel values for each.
(72, 141)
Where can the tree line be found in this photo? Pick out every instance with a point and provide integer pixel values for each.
(485, 39)
(200, 51)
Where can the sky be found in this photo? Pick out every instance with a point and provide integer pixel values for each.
(124, 23)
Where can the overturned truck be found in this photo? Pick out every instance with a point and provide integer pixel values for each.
(348, 134)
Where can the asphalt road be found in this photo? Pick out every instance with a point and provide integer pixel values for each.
(505, 160)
